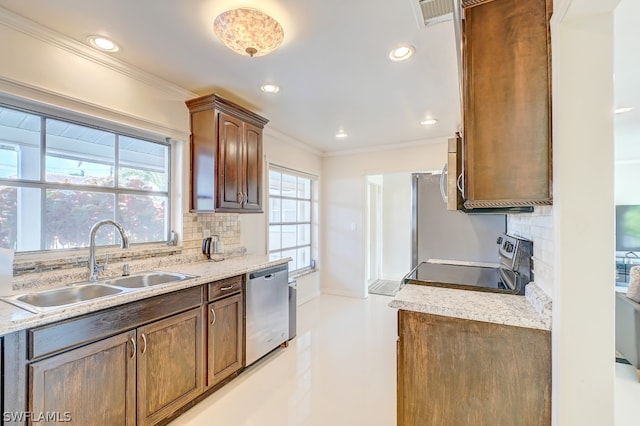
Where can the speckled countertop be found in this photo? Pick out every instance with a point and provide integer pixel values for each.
(13, 318)
(531, 311)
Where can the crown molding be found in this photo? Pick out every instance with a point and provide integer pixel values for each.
(25, 94)
(387, 147)
(276, 134)
(39, 32)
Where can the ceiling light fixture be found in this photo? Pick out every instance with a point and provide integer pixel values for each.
(622, 110)
(401, 53)
(270, 88)
(428, 121)
(248, 32)
(103, 43)
(341, 134)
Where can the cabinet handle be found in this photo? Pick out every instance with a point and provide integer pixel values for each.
(246, 198)
(144, 348)
(213, 316)
(239, 198)
(133, 347)
(226, 288)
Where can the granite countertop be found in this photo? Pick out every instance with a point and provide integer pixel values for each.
(531, 311)
(13, 318)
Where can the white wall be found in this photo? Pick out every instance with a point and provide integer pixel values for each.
(583, 290)
(627, 177)
(396, 225)
(343, 204)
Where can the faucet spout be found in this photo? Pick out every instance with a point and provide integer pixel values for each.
(93, 264)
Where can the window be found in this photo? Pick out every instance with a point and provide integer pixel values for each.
(57, 178)
(290, 217)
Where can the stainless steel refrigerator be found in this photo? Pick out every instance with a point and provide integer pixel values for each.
(438, 233)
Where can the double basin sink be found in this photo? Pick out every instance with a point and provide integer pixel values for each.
(82, 292)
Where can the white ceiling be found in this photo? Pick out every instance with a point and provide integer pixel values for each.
(332, 68)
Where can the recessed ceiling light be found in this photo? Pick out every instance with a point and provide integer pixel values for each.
(103, 43)
(401, 53)
(270, 88)
(341, 134)
(428, 121)
(622, 110)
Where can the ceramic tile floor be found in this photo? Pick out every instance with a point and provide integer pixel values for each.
(339, 371)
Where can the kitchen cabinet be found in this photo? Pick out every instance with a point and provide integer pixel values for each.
(506, 60)
(226, 156)
(455, 371)
(169, 368)
(137, 364)
(92, 385)
(225, 335)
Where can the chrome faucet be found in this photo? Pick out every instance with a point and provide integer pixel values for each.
(93, 266)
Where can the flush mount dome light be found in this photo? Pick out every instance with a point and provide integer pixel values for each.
(341, 134)
(428, 121)
(270, 88)
(401, 53)
(248, 32)
(103, 43)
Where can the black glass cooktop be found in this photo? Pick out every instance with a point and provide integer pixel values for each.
(457, 276)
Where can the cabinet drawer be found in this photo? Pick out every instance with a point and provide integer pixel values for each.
(225, 287)
(60, 336)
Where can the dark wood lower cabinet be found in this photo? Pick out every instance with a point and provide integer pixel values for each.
(92, 385)
(224, 338)
(455, 372)
(169, 365)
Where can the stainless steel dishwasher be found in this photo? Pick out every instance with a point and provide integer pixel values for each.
(267, 303)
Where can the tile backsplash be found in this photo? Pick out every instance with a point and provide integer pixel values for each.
(537, 227)
(225, 225)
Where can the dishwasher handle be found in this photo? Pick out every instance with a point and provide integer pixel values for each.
(269, 273)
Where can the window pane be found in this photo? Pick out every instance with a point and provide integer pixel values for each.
(303, 257)
(79, 155)
(288, 185)
(304, 235)
(275, 182)
(143, 217)
(304, 211)
(304, 188)
(274, 237)
(289, 211)
(275, 256)
(291, 254)
(275, 206)
(71, 214)
(289, 238)
(8, 217)
(142, 164)
(20, 143)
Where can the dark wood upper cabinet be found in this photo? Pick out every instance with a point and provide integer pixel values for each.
(506, 59)
(226, 156)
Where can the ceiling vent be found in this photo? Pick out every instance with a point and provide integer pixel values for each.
(430, 12)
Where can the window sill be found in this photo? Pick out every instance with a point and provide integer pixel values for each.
(304, 272)
(44, 261)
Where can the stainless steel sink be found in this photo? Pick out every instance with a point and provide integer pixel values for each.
(46, 300)
(146, 279)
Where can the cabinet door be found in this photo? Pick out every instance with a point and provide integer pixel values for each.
(230, 159)
(92, 385)
(169, 365)
(507, 103)
(252, 168)
(225, 338)
(459, 372)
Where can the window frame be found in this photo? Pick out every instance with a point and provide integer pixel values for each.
(313, 180)
(90, 122)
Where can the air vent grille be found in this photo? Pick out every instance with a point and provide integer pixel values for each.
(434, 11)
